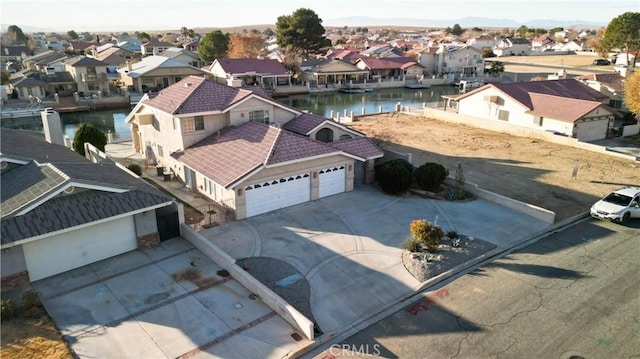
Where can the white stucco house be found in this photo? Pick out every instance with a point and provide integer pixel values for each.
(246, 151)
(512, 46)
(565, 107)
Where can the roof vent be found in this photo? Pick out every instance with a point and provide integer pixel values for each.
(187, 84)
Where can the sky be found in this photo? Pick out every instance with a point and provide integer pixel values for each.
(143, 15)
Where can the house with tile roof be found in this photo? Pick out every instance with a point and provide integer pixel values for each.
(325, 72)
(61, 211)
(153, 73)
(244, 150)
(610, 85)
(155, 47)
(90, 75)
(402, 68)
(183, 55)
(481, 42)
(566, 107)
(512, 46)
(268, 73)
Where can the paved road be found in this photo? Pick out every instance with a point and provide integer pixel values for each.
(575, 293)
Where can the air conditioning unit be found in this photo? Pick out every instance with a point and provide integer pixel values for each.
(491, 99)
(144, 118)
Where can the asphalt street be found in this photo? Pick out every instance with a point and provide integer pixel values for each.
(574, 294)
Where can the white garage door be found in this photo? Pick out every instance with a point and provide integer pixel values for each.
(331, 181)
(63, 252)
(592, 130)
(277, 193)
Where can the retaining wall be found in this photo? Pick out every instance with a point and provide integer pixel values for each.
(226, 262)
(540, 213)
(506, 127)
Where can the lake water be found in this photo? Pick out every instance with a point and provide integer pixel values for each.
(112, 121)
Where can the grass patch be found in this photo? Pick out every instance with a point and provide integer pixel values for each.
(29, 332)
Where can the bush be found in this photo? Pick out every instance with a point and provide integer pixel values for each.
(394, 176)
(427, 233)
(8, 309)
(135, 168)
(30, 299)
(412, 244)
(430, 176)
(452, 234)
(88, 133)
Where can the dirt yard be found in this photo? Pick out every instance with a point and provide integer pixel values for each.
(533, 171)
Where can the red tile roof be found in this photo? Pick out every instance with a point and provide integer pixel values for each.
(196, 94)
(360, 146)
(259, 66)
(570, 88)
(238, 151)
(559, 108)
(304, 123)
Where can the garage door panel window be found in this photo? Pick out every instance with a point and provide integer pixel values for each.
(332, 181)
(277, 193)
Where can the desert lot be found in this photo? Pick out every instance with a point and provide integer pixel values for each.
(533, 171)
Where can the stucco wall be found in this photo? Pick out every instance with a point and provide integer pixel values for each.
(240, 114)
(12, 261)
(145, 223)
(212, 124)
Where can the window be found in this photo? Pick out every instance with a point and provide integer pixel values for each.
(537, 120)
(160, 151)
(193, 124)
(261, 116)
(503, 115)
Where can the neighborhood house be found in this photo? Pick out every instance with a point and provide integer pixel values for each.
(246, 151)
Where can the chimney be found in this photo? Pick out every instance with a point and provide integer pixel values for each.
(129, 68)
(52, 126)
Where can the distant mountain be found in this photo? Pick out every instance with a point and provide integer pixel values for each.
(27, 28)
(481, 22)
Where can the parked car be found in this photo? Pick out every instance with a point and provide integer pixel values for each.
(601, 62)
(618, 206)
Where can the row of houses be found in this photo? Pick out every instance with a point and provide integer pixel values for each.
(236, 146)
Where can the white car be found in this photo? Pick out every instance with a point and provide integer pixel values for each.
(619, 206)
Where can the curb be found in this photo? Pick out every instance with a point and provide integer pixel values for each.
(441, 279)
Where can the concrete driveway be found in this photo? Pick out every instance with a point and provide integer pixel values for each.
(166, 302)
(348, 246)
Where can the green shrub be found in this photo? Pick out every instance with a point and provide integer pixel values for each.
(430, 176)
(88, 133)
(412, 244)
(394, 176)
(8, 309)
(427, 233)
(452, 234)
(30, 299)
(135, 168)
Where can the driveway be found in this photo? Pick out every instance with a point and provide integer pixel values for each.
(169, 301)
(348, 246)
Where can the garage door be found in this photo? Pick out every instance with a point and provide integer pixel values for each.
(592, 130)
(331, 181)
(277, 193)
(63, 252)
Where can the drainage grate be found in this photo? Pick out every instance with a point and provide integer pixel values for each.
(297, 337)
(223, 273)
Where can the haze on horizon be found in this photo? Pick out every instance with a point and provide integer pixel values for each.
(121, 15)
